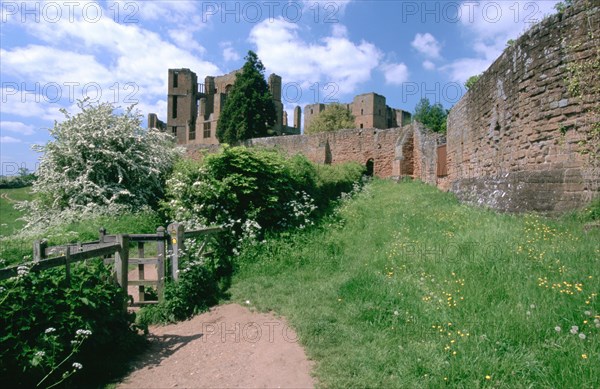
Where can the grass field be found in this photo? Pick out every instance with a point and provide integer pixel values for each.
(407, 288)
(9, 222)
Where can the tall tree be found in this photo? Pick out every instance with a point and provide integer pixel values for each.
(334, 117)
(431, 116)
(249, 111)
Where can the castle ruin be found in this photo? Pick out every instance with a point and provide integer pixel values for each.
(369, 110)
(193, 109)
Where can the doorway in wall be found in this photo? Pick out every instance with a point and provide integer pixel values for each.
(370, 167)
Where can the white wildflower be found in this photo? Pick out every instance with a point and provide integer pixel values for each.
(574, 330)
(50, 330)
(557, 329)
(582, 336)
(77, 366)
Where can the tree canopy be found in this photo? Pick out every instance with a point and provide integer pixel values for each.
(249, 111)
(431, 116)
(335, 117)
(99, 160)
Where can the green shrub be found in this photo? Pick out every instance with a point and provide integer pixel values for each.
(196, 290)
(251, 192)
(262, 186)
(237, 185)
(40, 314)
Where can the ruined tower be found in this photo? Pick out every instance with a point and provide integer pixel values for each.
(182, 104)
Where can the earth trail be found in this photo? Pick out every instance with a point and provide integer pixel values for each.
(227, 347)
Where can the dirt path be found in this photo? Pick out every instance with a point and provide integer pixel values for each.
(7, 198)
(228, 347)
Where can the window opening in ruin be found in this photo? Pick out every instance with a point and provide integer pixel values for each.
(206, 133)
(174, 130)
(174, 113)
(370, 167)
(192, 135)
(361, 126)
(361, 111)
(175, 79)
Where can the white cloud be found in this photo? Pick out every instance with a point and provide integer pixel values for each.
(339, 31)
(45, 65)
(327, 9)
(463, 68)
(9, 139)
(128, 62)
(395, 74)
(427, 45)
(184, 39)
(229, 53)
(18, 127)
(173, 11)
(428, 65)
(487, 26)
(333, 59)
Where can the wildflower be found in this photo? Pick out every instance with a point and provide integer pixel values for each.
(557, 328)
(588, 313)
(582, 336)
(247, 302)
(487, 377)
(40, 354)
(50, 330)
(83, 333)
(574, 330)
(584, 356)
(77, 366)
(532, 306)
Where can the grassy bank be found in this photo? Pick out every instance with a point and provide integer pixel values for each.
(408, 288)
(9, 216)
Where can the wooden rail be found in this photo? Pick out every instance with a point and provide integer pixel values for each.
(116, 249)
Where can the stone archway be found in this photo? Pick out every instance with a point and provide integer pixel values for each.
(370, 165)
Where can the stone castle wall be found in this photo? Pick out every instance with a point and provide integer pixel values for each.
(515, 139)
(526, 136)
(407, 151)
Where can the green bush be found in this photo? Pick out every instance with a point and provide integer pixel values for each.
(197, 289)
(40, 315)
(237, 185)
(250, 192)
(263, 186)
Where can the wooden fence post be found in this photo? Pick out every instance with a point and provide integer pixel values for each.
(160, 264)
(176, 231)
(68, 266)
(141, 273)
(39, 249)
(122, 262)
(102, 234)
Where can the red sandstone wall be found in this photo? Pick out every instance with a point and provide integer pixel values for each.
(514, 140)
(358, 145)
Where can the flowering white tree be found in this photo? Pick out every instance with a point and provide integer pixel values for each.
(99, 161)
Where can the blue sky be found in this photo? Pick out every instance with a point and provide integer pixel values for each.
(56, 52)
